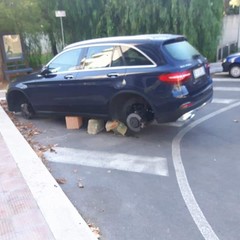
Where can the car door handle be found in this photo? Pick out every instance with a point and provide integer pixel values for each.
(113, 75)
(69, 76)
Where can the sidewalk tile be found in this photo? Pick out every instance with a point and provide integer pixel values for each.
(20, 217)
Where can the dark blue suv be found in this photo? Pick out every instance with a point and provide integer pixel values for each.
(134, 79)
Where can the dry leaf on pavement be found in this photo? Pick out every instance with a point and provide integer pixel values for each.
(61, 180)
(95, 230)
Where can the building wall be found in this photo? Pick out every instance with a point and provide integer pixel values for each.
(229, 41)
(230, 29)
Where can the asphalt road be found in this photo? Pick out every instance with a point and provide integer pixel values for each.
(173, 181)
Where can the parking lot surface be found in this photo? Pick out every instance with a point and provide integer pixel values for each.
(171, 181)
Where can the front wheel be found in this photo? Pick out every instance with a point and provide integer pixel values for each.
(234, 71)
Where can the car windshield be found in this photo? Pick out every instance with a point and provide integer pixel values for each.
(182, 50)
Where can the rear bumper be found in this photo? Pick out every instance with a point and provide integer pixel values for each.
(188, 104)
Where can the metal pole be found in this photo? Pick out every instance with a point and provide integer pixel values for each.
(63, 41)
(238, 43)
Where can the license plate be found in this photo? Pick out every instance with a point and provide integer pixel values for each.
(198, 72)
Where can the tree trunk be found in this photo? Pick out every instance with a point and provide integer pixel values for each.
(53, 43)
(1, 70)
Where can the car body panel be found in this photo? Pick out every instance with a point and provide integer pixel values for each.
(230, 60)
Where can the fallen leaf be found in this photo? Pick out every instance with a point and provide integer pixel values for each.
(95, 230)
(28, 130)
(52, 150)
(61, 180)
(40, 154)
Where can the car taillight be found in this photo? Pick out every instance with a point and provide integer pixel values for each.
(186, 105)
(175, 78)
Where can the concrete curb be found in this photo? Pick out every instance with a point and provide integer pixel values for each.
(59, 213)
(2, 94)
(216, 67)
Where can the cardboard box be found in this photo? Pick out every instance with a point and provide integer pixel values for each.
(73, 122)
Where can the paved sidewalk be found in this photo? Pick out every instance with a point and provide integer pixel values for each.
(32, 205)
(20, 217)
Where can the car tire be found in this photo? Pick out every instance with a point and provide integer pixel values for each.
(27, 110)
(234, 71)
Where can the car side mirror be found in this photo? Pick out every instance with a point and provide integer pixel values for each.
(45, 71)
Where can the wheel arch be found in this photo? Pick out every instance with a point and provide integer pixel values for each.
(234, 64)
(15, 98)
(119, 99)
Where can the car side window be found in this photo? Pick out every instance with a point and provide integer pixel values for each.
(134, 58)
(66, 61)
(98, 57)
(117, 59)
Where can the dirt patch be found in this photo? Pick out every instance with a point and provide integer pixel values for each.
(3, 85)
(28, 130)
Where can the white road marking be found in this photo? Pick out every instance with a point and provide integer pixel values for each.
(226, 80)
(174, 124)
(124, 162)
(224, 100)
(178, 123)
(227, 89)
(187, 194)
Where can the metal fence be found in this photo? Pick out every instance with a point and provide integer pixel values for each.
(225, 50)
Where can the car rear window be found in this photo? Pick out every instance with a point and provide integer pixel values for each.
(182, 50)
(133, 57)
